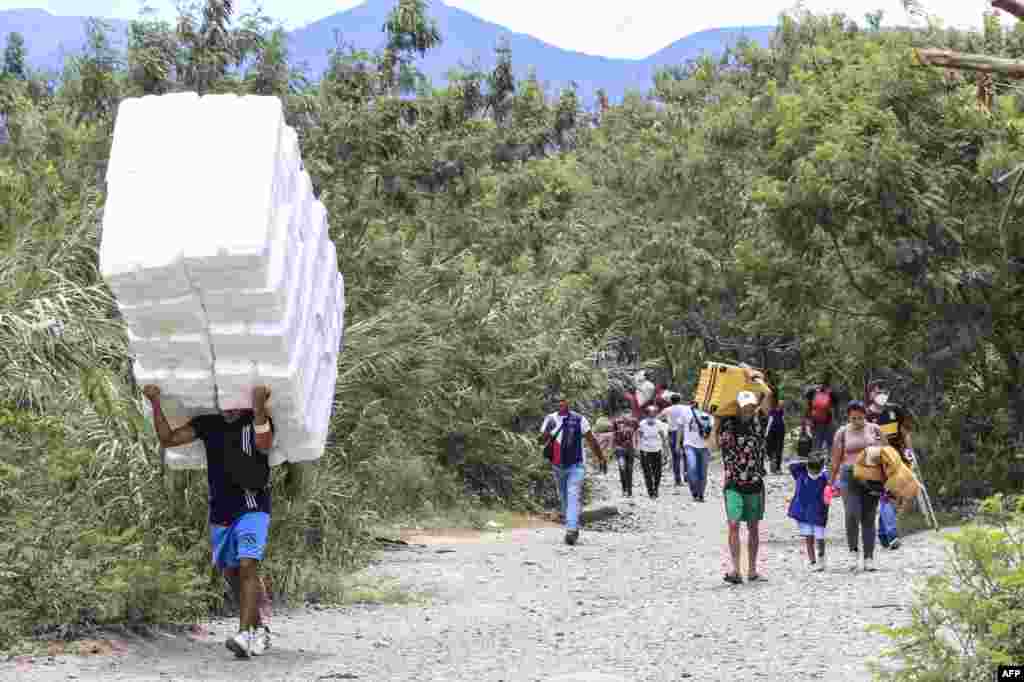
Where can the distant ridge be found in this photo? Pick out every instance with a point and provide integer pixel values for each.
(468, 39)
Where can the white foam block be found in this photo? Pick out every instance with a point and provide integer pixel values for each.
(165, 317)
(233, 302)
(235, 286)
(177, 352)
(190, 388)
(240, 212)
(135, 149)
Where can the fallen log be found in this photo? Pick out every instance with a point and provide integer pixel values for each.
(1014, 7)
(948, 59)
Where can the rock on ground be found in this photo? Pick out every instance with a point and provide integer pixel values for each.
(640, 598)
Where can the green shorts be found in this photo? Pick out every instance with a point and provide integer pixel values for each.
(744, 506)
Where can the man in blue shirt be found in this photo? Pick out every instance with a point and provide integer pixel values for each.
(238, 474)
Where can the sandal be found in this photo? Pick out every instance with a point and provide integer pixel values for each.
(733, 578)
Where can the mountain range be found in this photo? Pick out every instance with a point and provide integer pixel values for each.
(467, 41)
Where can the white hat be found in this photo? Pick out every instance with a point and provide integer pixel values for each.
(746, 398)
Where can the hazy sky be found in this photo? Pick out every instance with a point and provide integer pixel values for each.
(635, 28)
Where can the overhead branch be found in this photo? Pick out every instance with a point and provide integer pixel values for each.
(849, 271)
(1011, 68)
(1014, 7)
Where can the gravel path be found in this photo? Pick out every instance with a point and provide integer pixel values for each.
(640, 598)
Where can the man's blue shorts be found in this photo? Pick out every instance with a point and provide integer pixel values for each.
(246, 538)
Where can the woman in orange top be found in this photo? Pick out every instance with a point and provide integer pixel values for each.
(860, 504)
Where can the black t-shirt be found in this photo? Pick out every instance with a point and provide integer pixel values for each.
(892, 420)
(227, 500)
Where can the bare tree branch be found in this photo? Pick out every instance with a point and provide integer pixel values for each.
(1014, 7)
(1010, 68)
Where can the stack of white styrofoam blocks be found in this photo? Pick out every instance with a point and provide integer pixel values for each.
(219, 258)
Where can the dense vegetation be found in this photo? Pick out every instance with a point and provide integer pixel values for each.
(821, 205)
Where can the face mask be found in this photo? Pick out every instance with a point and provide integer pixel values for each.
(881, 399)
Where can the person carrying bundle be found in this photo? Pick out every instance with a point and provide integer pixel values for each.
(238, 474)
(741, 439)
(860, 501)
(894, 422)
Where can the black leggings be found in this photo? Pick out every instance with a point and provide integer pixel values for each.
(625, 458)
(861, 511)
(651, 462)
(774, 446)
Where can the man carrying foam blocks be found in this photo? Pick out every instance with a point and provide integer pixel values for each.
(238, 471)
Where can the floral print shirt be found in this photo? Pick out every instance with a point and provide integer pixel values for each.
(743, 451)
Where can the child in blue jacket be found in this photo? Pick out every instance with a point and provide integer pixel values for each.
(809, 507)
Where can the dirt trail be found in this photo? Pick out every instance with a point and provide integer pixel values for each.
(642, 599)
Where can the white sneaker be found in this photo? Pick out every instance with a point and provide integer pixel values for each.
(259, 642)
(820, 568)
(811, 566)
(240, 644)
(869, 565)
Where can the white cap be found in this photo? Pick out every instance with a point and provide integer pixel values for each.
(746, 398)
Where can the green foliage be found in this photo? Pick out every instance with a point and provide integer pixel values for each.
(969, 618)
(820, 205)
(456, 325)
(14, 57)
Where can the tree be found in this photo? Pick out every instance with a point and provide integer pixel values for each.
(211, 45)
(14, 57)
(411, 32)
(153, 55)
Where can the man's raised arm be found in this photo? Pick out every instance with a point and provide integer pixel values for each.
(264, 434)
(183, 435)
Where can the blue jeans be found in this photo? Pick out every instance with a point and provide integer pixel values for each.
(887, 531)
(677, 455)
(569, 481)
(697, 469)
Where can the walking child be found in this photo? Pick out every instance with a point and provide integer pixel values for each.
(809, 507)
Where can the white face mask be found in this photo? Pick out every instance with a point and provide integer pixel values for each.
(881, 399)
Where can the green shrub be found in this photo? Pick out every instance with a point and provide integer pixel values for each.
(969, 618)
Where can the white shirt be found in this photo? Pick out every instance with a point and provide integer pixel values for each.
(649, 436)
(691, 433)
(675, 415)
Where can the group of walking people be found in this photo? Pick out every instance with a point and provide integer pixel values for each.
(748, 441)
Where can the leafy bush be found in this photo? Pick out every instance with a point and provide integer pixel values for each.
(969, 618)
